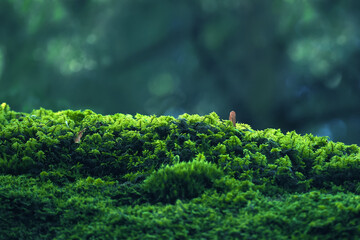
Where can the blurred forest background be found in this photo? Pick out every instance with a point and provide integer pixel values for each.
(289, 64)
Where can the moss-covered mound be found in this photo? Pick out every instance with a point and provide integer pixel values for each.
(81, 175)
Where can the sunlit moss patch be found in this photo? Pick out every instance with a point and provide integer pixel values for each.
(187, 177)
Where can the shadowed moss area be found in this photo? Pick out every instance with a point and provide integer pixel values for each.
(81, 175)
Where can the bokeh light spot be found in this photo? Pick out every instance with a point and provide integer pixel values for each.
(334, 82)
(161, 85)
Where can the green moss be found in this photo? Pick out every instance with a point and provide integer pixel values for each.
(162, 177)
(185, 180)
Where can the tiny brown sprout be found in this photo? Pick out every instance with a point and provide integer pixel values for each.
(232, 118)
(79, 135)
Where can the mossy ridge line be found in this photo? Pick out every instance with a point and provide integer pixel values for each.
(196, 176)
(127, 148)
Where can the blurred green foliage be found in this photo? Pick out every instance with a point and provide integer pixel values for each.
(285, 64)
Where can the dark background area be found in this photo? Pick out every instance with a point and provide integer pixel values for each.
(286, 64)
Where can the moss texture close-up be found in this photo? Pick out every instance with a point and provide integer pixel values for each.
(82, 175)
